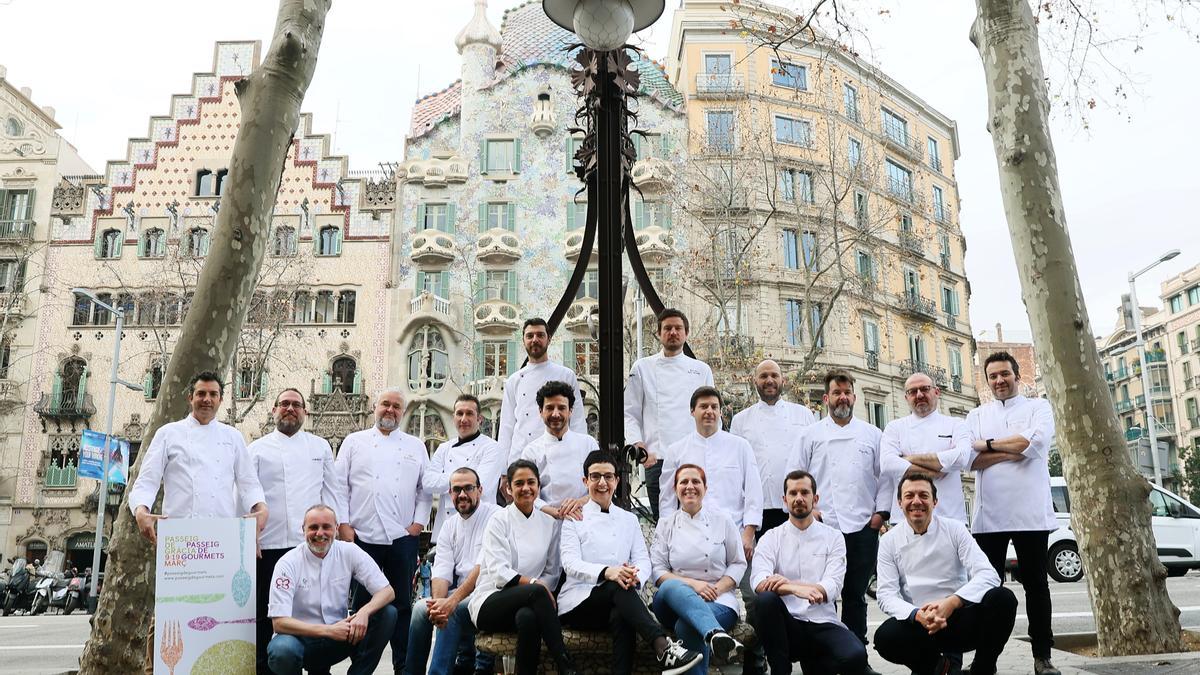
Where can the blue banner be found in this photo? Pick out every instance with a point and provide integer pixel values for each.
(91, 457)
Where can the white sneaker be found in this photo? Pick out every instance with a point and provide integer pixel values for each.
(677, 659)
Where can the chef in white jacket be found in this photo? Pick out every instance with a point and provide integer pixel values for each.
(470, 448)
(930, 443)
(771, 426)
(559, 453)
(939, 589)
(1011, 439)
(605, 558)
(520, 422)
(295, 469)
(843, 453)
(656, 396)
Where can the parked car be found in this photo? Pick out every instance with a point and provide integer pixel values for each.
(1176, 526)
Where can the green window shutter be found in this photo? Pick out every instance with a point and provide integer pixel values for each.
(639, 214)
(327, 383)
(443, 285)
(571, 224)
(204, 241)
(148, 385)
(420, 282)
(337, 242)
(513, 364)
(4, 196)
(511, 207)
(483, 224)
(516, 155)
(512, 287)
(477, 366)
(420, 217)
(451, 216)
(480, 286)
(483, 153)
(358, 383)
(56, 391)
(638, 139)
(98, 243)
(32, 200)
(82, 384)
(569, 354)
(120, 242)
(262, 385)
(316, 242)
(141, 246)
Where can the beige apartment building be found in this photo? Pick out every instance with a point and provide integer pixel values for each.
(136, 237)
(823, 214)
(1181, 326)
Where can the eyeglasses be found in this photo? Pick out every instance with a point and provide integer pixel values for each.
(462, 489)
(290, 404)
(606, 477)
(918, 390)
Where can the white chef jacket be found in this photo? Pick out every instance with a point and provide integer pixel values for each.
(198, 466)
(516, 545)
(520, 419)
(771, 431)
(381, 477)
(1014, 496)
(734, 484)
(296, 472)
(657, 394)
(317, 590)
(458, 553)
(845, 462)
(816, 555)
(480, 453)
(706, 546)
(914, 569)
(945, 435)
(560, 464)
(602, 539)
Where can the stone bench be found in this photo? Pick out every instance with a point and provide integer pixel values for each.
(592, 650)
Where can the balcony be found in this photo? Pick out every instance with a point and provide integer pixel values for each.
(1120, 374)
(936, 373)
(935, 163)
(432, 247)
(898, 139)
(1133, 433)
(435, 172)
(655, 244)
(68, 407)
(487, 387)
(19, 232)
(1194, 422)
(1195, 343)
(720, 85)
(60, 477)
(1160, 391)
(873, 361)
(1139, 401)
(1123, 405)
(574, 245)
(902, 191)
(498, 246)
(941, 216)
(12, 303)
(651, 175)
(577, 315)
(1156, 357)
(951, 321)
(956, 383)
(428, 303)
(945, 260)
(497, 317)
(1190, 382)
(914, 304)
(912, 244)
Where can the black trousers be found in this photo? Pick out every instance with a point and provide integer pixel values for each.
(398, 561)
(621, 612)
(862, 548)
(983, 628)
(1031, 558)
(824, 648)
(653, 475)
(264, 571)
(530, 612)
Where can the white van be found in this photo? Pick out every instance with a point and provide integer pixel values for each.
(1176, 532)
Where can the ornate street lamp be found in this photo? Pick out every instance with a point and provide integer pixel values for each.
(605, 81)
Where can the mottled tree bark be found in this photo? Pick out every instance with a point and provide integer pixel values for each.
(1110, 510)
(270, 99)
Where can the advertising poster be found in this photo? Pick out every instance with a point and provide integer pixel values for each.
(204, 597)
(91, 457)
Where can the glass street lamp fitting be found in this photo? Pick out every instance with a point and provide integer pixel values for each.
(603, 25)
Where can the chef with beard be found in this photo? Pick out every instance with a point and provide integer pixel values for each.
(558, 454)
(380, 470)
(472, 449)
(309, 592)
(520, 423)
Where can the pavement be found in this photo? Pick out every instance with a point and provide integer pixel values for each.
(51, 644)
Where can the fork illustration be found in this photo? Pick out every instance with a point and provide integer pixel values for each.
(171, 647)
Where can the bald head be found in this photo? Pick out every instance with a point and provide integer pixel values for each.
(921, 393)
(768, 380)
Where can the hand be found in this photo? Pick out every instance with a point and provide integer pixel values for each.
(943, 608)
(346, 532)
(814, 593)
(339, 631)
(147, 522)
(440, 610)
(414, 530)
(358, 626)
(651, 458)
(748, 541)
(980, 446)
(772, 583)
(260, 521)
(625, 576)
(876, 521)
(930, 621)
(572, 509)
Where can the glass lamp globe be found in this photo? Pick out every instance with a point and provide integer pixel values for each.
(603, 25)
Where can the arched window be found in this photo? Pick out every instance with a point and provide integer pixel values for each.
(302, 307)
(426, 424)
(70, 384)
(110, 244)
(345, 306)
(345, 376)
(428, 360)
(284, 243)
(205, 183)
(13, 127)
(329, 241)
(487, 421)
(324, 310)
(196, 243)
(222, 174)
(153, 243)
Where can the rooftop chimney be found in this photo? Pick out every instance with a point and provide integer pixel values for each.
(999, 333)
(27, 93)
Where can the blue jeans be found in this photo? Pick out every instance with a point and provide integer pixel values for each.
(678, 606)
(398, 560)
(420, 633)
(288, 654)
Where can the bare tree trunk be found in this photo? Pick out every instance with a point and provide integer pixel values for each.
(1110, 510)
(270, 100)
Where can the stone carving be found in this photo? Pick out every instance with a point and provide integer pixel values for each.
(379, 194)
(68, 199)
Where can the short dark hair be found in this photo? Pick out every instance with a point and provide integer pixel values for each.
(533, 321)
(705, 392)
(298, 393)
(916, 477)
(840, 376)
(555, 388)
(797, 475)
(598, 457)
(523, 464)
(996, 357)
(467, 469)
(672, 313)
(469, 397)
(206, 376)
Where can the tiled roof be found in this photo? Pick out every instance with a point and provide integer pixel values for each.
(431, 109)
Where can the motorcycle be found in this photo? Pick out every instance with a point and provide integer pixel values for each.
(44, 592)
(74, 595)
(19, 592)
(60, 591)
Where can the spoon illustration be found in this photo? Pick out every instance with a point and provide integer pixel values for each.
(241, 580)
(209, 623)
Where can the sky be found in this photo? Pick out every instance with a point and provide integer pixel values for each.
(107, 67)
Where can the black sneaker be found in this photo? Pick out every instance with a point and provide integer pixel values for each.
(677, 659)
(724, 646)
(1044, 667)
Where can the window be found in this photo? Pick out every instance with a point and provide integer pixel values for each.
(425, 423)
(895, 127)
(1182, 338)
(854, 153)
(63, 463)
(16, 204)
(428, 360)
(956, 369)
(899, 181)
(950, 300)
(860, 209)
(791, 250)
(1176, 302)
(344, 376)
(877, 414)
(865, 266)
(12, 276)
(582, 356)
(100, 315)
(1193, 296)
(573, 145)
(870, 337)
(718, 64)
(720, 130)
(153, 382)
(302, 307)
(222, 174)
(153, 243)
(109, 244)
(912, 282)
(808, 242)
(329, 241)
(939, 205)
(787, 185)
(850, 102)
(285, 241)
(250, 381)
(814, 316)
(501, 156)
(646, 146)
(13, 127)
(906, 224)
(790, 75)
(793, 131)
(590, 286)
(935, 159)
(794, 183)
(944, 244)
(206, 183)
(346, 306)
(324, 307)
(794, 314)
(70, 386)
(916, 351)
(5, 359)
(437, 217)
(1060, 499)
(495, 358)
(499, 215)
(195, 243)
(576, 215)
(647, 213)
